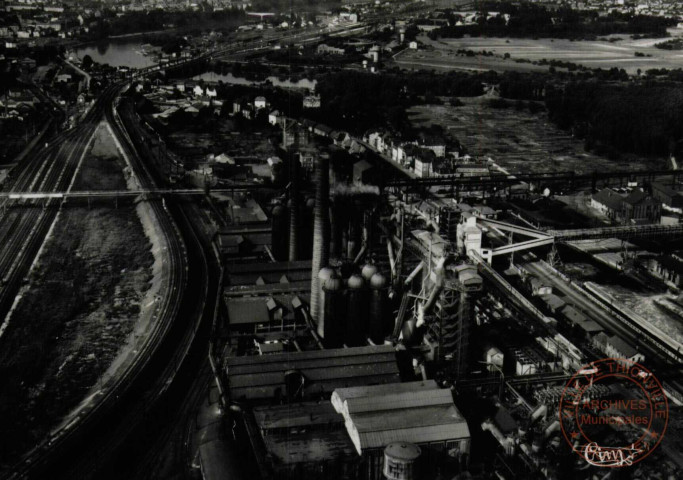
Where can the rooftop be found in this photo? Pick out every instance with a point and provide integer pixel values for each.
(254, 378)
(422, 413)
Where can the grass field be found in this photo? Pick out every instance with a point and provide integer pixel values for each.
(516, 140)
(441, 54)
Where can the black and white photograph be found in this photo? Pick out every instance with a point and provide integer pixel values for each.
(341, 239)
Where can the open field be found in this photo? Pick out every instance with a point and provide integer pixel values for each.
(84, 299)
(517, 140)
(592, 54)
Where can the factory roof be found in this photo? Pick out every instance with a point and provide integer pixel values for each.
(247, 274)
(262, 377)
(301, 414)
(307, 432)
(422, 413)
(248, 310)
(340, 395)
(573, 315)
(590, 326)
(553, 301)
(623, 348)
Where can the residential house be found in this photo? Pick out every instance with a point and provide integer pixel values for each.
(423, 163)
(638, 205)
(311, 101)
(669, 268)
(260, 102)
(274, 117)
(434, 143)
(615, 347)
(670, 196)
(328, 49)
(198, 91)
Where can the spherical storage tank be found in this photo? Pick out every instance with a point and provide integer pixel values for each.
(368, 271)
(356, 312)
(399, 460)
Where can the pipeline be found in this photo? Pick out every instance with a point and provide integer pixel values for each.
(423, 309)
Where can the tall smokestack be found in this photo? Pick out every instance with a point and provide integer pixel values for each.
(293, 208)
(321, 230)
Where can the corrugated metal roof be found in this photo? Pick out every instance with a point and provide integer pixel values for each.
(417, 435)
(424, 398)
(296, 415)
(242, 312)
(342, 394)
(254, 377)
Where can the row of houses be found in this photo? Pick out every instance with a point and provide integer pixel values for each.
(634, 206)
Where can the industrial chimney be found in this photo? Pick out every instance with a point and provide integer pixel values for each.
(321, 230)
(293, 206)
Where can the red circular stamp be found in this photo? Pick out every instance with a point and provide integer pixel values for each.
(613, 412)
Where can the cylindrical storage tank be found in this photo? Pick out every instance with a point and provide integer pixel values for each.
(378, 308)
(399, 460)
(368, 271)
(333, 314)
(356, 312)
(279, 234)
(324, 274)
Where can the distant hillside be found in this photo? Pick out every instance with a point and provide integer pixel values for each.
(295, 5)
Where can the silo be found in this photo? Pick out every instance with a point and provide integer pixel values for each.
(321, 230)
(378, 308)
(356, 312)
(399, 460)
(332, 312)
(279, 233)
(324, 274)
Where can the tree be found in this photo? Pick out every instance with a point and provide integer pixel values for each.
(87, 62)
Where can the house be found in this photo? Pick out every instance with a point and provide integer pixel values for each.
(211, 92)
(537, 286)
(274, 117)
(434, 143)
(573, 315)
(615, 347)
(328, 49)
(637, 205)
(670, 196)
(63, 78)
(669, 268)
(198, 91)
(311, 101)
(608, 202)
(423, 163)
(260, 102)
(413, 45)
(553, 302)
